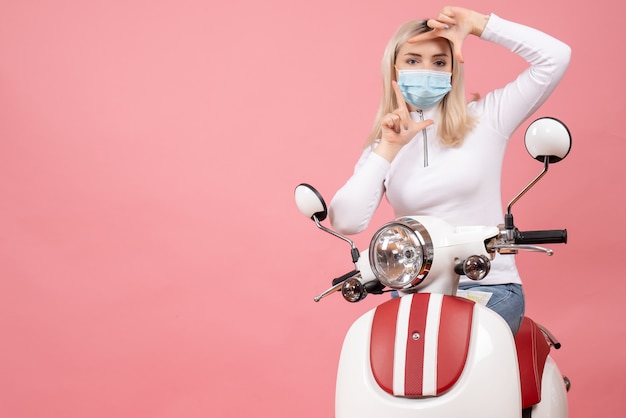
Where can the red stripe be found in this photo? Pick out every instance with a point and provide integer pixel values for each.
(454, 339)
(382, 343)
(414, 368)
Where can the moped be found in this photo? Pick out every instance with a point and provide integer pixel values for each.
(429, 352)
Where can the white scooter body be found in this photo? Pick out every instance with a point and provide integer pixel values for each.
(489, 385)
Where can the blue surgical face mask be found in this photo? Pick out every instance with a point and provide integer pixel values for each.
(424, 88)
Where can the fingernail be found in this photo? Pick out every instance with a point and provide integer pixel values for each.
(406, 127)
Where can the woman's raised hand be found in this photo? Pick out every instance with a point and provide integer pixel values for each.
(454, 24)
(398, 129)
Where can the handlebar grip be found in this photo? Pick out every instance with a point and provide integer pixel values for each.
(346, 276)
(554, 236)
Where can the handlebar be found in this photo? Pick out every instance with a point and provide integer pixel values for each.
(346, 276)
(554, 236)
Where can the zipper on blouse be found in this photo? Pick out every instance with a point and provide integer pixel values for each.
(421, 115)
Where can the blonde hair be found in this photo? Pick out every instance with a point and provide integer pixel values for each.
(455, 121)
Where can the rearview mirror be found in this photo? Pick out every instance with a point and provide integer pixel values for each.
(548, 137)
(310, 202)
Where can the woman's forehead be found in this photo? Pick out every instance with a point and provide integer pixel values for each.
(437, 46)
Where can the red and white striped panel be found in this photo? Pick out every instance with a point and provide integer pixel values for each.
(419, 343)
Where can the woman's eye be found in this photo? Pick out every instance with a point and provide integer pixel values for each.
(411, 62)
(440, 63)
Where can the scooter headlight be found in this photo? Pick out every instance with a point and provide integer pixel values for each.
(401, 253)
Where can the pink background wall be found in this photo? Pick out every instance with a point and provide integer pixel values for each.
(152, 260)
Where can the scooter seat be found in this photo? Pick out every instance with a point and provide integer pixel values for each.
(532, 351)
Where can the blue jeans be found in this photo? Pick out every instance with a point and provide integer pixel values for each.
(507, 300)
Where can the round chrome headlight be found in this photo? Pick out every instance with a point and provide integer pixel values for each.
(401, 253)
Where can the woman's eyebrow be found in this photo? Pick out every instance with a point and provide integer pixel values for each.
(415, 54)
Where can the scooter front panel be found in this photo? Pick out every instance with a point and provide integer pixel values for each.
(419, 343)
(488, 386)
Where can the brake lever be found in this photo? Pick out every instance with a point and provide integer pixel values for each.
(333, 289)
(514, 249)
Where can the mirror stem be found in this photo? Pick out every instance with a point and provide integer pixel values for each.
(546, 163)
(354, 251)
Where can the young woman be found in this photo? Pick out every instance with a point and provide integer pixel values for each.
(431, 152)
